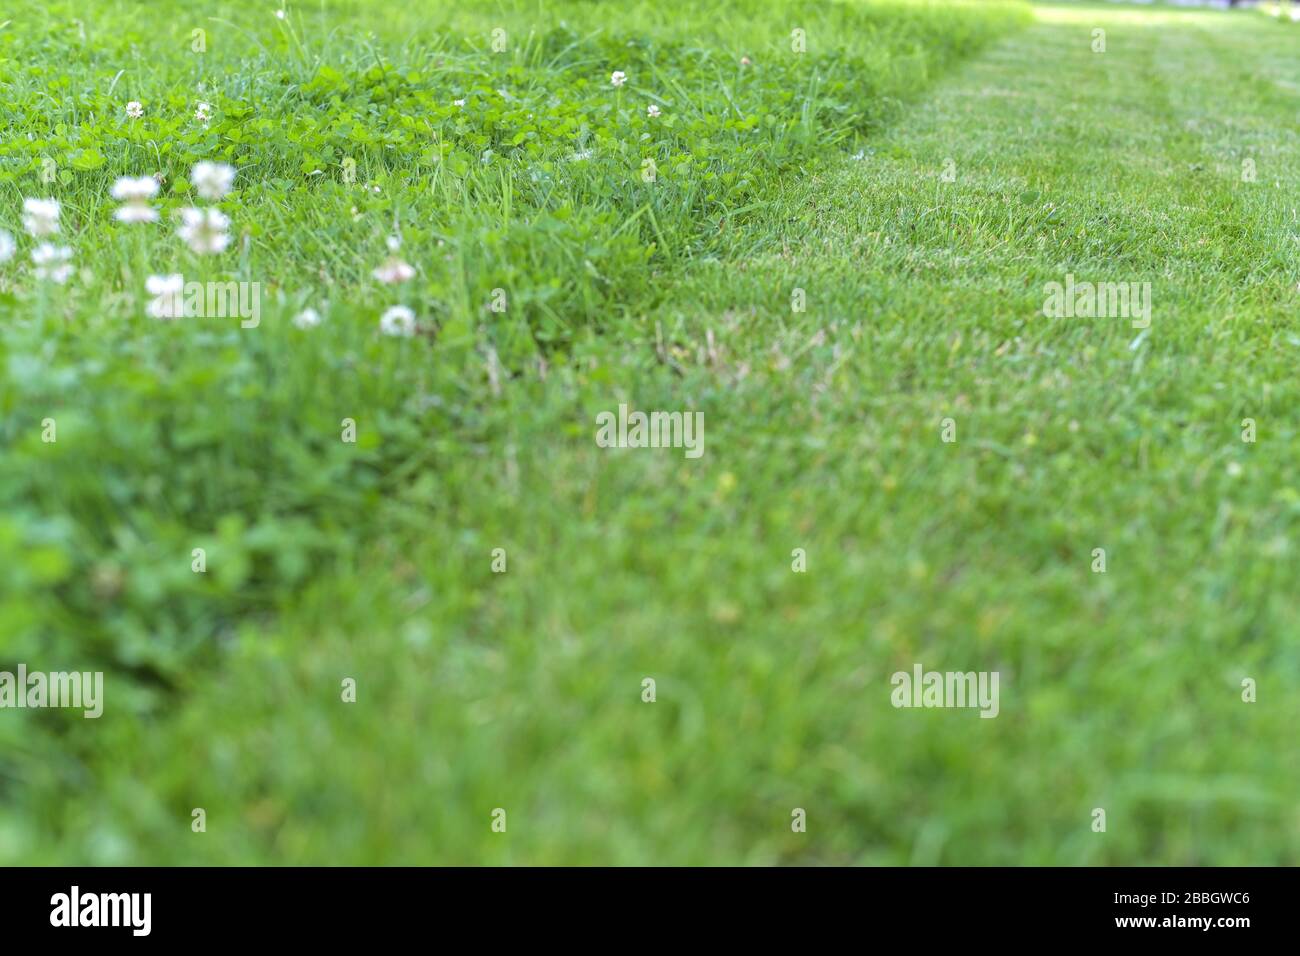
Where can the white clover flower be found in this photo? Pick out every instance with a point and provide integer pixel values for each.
(212, 181)
(652, 111)
(394, 269)
(168, 296)
(279, 14)
(399, 321)
(135, 189)
(745, 61)
(203, 113)
(617, 78)
(134, 109)
(307, 319)
(41, 217)
(457, 102)
(136, 212)
(204, 230)
(52, 262)
(134, 194)
(7, 246)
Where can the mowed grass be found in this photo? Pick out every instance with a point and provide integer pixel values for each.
(522, 690)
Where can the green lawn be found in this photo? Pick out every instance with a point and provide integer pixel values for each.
(916, 177)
